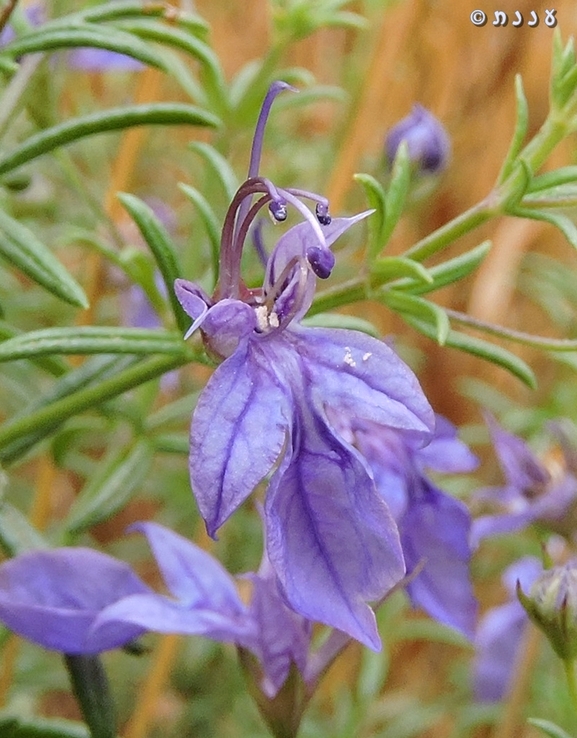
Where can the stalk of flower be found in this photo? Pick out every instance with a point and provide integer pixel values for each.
(330, 537)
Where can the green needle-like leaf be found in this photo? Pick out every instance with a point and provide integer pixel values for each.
(110, 120)
(110, 489)
(24, 250)
(424, 310)
(91, 340)
(163, 250)
(478, 347)
(85, 35)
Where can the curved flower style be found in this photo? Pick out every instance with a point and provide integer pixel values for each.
(434, 526)
(500, 634)
(331, 540)
(532, 491)
(80, 601)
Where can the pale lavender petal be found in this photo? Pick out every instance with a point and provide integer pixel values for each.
(362, 377)
(283, 636)
(53, 597)
(520, 466)
(330, 537)
(238, 432)
(496, 525)
(446, 452)
(192, 575)
(160, 614)
(497, 644)
(500, 634)
(435, 531)
(194, 301)
(294, 245)
(102, 60)
(226, 324)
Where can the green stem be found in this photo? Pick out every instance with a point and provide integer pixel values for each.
(446, 234)
(13, 97)
(551, 344)
(59, 411)
(569, 666)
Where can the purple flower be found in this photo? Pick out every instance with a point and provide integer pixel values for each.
(434, 526)
(79, 601)
(533, 492)
(500, 634)
(427, 141)
(102, 60)
(331, 540)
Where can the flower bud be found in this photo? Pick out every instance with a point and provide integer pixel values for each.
(552, 606)
(427, 140)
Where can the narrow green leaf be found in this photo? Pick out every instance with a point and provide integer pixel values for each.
(376, 198)
(52, 415)
(520, 132)
(548, 728)
(163, 250)
(91, 340)
(12, 726)
(219, 166)
(55, 366)
(17, 535)
(411, 305)
(448, 272)
(92, 371)
(481, 348)
(101, 122)
(23, 249)
(562, 222)
(154, 31)
(84, 35)
(393, 267)
(136, 8)
(563, 175)
(111, 488)
(172, 443)
(210, 223)
(397, 191)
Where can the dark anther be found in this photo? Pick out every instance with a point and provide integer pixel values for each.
(322, 213)
(278, 211)
(322, 261)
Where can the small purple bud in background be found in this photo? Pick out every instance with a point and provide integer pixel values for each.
(429, 145)
(89, 59)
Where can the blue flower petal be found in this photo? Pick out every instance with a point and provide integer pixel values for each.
(362, 377)
(192, 575)
(53, 597)
(238, 432)
(435, 530)
(330, 537)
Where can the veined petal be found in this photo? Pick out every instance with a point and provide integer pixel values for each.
(238, 432)
(362, 377)
(435, 531)
(192, 575)
(283, 636)
(330, 537)
(53, 597)
(446, 452)
(160, 614)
